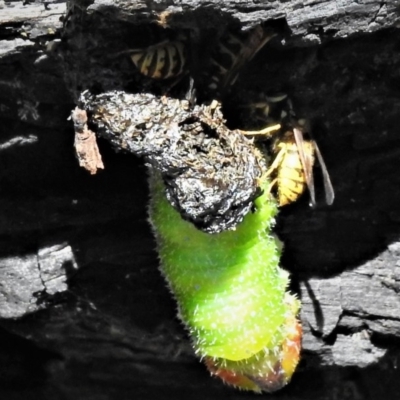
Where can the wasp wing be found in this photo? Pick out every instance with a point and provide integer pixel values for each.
(254, 42)
(306, 159)
(329, 192)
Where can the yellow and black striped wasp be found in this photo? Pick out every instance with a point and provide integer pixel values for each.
(292, 148)
(164, 60)
(229, 54)
(292, 167)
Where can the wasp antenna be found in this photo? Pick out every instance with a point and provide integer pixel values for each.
(277, 98)
(266, 131)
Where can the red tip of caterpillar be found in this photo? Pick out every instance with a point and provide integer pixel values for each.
(267, 371)
(231, 377)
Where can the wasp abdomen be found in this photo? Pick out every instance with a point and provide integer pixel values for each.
(161, 61)
(291, 178)
(290, 186)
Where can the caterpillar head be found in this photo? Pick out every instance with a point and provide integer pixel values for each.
(270, 369)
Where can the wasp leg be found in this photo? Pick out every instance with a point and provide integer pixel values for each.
(271, 169)
(271, 185)
(276, 162)
(177, 80)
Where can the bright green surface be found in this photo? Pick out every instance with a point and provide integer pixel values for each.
(228, 286)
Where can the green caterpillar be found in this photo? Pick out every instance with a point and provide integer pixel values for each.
(231, 294)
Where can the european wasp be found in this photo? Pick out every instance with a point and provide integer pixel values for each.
(293, 155)
(231, 52)
(292, 167)
(163, 60)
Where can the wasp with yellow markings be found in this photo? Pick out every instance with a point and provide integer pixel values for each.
(264, 110)
(230, 53)
(293, 155)
(163, 60)
(292, 168)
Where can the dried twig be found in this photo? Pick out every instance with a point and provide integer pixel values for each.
(85, 143)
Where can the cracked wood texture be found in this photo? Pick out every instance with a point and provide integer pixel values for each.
(84, 311)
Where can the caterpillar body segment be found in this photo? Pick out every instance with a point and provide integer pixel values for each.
(232, 296)
(267, 371)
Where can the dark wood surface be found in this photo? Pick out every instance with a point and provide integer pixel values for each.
(84, 311)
